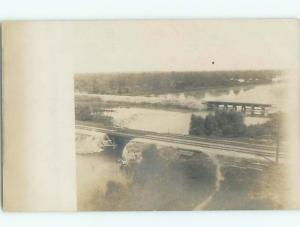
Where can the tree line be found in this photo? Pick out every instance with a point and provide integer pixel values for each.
(151, 82)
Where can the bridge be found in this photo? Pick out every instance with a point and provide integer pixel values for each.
(220, 147)
(239, 106)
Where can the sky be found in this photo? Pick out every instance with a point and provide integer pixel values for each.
(186, 45)
(164, 45)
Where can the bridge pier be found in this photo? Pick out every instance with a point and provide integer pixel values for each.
(252, 110)
(243, 108)
(120, 143)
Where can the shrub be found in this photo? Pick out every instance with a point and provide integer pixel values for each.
(231, 124)
(221, 123)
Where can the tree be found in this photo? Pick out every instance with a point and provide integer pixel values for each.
(210, 125)
(222, 123)
(83, 112)
(197, 125)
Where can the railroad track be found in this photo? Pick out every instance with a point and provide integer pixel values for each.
(265, 151)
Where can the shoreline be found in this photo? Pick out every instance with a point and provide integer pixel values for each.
(177, 91)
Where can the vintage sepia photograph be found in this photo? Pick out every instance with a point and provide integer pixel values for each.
(151, 115)
(181, 140)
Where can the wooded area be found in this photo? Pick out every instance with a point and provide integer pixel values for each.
(160, 82)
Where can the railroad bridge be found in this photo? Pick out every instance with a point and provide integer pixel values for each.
(253, 108)
(221, 147)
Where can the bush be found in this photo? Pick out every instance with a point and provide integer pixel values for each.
(196, 125)
(227, 124)
(83, 112)
(269, 129)
(91, 111)
(231, 124)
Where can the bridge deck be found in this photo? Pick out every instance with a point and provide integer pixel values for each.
(236, 103)
(227, 147)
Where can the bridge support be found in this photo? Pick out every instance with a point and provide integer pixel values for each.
(243, 108)
(226, 107)
(120, 143)
(252, 110)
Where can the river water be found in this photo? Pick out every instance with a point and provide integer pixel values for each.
(163, 120)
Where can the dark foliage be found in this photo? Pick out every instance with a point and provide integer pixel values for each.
(88, 111)
(152, 82)
(270, 129)
(227, 124)
(231, 124)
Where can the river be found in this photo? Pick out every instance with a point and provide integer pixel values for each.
(163, 120)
